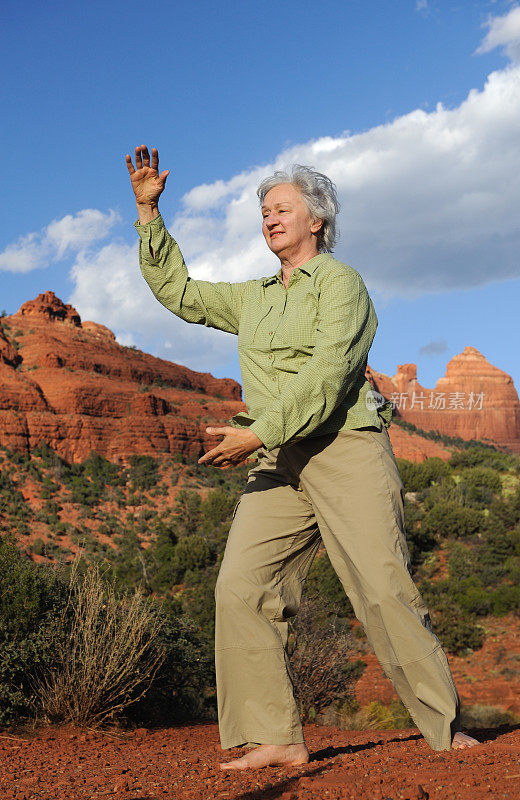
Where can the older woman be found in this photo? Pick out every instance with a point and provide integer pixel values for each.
(325, 470)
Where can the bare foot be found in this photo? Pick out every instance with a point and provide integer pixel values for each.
(266, 755)
(462, 740)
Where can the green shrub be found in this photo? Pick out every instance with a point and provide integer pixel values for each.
(482, 477)
(480, 716)
(449, 520)
(188, 512)
(504, 599)
(323, 581)
(144, 472)
(482, 457)
(420, 540)
(417, 476)
(30, 598)
(191, 553)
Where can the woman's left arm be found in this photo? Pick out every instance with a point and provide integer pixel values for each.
(346, 327)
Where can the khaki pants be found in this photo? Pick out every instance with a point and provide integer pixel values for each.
(345, 489)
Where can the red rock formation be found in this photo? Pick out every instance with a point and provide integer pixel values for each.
(474, 400)
(49, 306)
(72, 385)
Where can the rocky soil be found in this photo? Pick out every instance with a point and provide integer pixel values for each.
(182, 763)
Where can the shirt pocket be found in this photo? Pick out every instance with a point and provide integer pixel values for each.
(297, 329)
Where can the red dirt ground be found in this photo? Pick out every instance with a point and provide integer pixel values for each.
(182, 763)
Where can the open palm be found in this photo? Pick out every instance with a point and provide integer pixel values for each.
(146, 181)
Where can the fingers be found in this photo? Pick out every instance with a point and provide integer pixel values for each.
(163, 175)
(142, 159)
(146, 155)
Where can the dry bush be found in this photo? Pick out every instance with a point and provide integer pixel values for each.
(109, 658)
(319, 653)
(374, 716)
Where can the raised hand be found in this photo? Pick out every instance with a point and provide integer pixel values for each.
(146, 181)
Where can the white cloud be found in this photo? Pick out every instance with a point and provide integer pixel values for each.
(56, 240)
(110, 289)
(429, 200)
(503, 32)
(428, 204)
(80, 231)
(421, 6)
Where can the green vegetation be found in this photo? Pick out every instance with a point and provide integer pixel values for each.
(74, 649)
(462, 526)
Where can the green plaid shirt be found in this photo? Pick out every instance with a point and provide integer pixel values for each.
(302, 350)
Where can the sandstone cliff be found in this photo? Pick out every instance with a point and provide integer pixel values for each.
(474, 400)
(71, 384)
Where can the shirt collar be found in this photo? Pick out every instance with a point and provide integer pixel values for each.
(309, 267)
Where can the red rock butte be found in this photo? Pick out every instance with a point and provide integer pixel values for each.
(474, 400)
(70, 384)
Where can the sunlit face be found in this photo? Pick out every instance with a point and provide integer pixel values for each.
(287, 225)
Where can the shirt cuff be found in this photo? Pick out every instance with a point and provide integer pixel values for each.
(265, 433)
(146, 230)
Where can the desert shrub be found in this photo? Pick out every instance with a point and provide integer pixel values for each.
(505, 598)
(143, 472)
(162, 555)
(458, 633)
(456, 628)
(198, 599)
(482, 477)
(30, 598)
(471, 597)
(449, 520)
(322, 580)
(417, 476)
(191, 553)
(507, 509)
(12, 503)
(494, 553)
(319, 651)
(446, 491)
(109, 658)
(84, 491)
(216, 508)
(374, 716)
(480, 716)
(104, 472)
(38, 547)
(184, 684)
(482, 457)
(420, 540)
(461, 562)
(188, 512)
(130, 561)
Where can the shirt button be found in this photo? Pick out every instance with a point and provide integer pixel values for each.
(274, 379)
(270, 333)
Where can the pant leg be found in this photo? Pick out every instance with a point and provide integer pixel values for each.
(272, 541)
(357, 495)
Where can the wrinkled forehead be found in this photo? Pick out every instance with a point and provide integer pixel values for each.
(282, 193)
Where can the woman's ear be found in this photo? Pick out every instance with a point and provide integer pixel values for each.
(317, 225)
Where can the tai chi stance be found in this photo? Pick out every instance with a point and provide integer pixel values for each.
(325, 470)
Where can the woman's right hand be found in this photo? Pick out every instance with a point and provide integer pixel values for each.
(147, 184)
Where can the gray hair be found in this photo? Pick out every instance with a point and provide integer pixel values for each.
(319, 195)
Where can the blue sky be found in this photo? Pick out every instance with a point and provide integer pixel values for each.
(412, 107)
